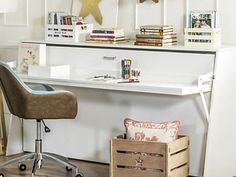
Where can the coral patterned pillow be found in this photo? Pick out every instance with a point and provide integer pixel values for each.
(150, 131)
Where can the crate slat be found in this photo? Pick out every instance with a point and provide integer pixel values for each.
(150, 162)
(180, 144)
(180, 172)
(178, 159)
(138, 146)
(198, 37)
(125, 172)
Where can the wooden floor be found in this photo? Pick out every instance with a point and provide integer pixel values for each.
(53, 170)
(50, 169)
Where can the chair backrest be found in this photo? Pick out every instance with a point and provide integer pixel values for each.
(13, 88)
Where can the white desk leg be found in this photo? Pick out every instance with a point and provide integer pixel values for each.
(207, 116)
(14, 143)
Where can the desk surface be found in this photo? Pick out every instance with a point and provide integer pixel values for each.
(143, 87)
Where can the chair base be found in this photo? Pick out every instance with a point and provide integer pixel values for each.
(38, 160)
(38, 156)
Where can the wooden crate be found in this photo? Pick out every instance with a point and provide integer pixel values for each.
(209, 38)
(68, 33)
(149, 159)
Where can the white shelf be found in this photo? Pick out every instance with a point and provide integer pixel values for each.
(142, 87)
(128, 45)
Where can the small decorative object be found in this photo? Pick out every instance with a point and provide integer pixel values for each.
(156, 1)
(101, 13)
(31, 54)
(91, 7)
(203, 19)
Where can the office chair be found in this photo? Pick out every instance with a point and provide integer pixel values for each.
(40, 104)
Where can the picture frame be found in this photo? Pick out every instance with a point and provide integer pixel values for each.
(30, 54)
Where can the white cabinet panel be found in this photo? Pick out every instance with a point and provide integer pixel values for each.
(101, 112)
(174, 67)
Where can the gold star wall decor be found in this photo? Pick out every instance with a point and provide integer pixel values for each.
(91, 7)
(156, 1)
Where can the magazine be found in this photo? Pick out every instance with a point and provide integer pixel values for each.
(203, 19)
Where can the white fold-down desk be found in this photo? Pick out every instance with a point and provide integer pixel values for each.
(142, 87)
(176, 83)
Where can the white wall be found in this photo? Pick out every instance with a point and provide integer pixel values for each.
(126, 18)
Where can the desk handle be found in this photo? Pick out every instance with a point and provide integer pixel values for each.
(109, 57)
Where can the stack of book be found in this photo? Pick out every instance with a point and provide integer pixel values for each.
(155, 35)
(107, 36)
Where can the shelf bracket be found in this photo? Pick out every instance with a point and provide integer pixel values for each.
(205, 80)
(205, 106)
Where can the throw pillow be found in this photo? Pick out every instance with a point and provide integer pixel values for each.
(149, 131)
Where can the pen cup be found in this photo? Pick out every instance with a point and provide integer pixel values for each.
(125, 68)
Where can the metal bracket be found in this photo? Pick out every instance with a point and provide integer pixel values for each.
(205, 80)
(205, 107)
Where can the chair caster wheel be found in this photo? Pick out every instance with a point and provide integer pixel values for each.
(79, 175)
(22, 167)
(68, 168)
(1, 175)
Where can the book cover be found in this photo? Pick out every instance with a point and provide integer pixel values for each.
(202, 19)
(106, 36)
(106, 42)
(156, 27)
(31, 54)
(103, 31)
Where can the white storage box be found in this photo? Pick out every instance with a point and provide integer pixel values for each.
(68, 33)
(60, 71)
(202, 37)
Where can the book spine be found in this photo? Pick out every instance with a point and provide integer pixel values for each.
(155, 44)
(156, 40)
(147, 44)
(107, 39)
(102, 36)
(55, 19)
(155, 31)
(149, 36)
(103, 32)
(49, 18)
